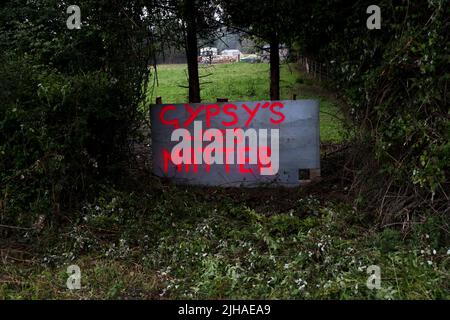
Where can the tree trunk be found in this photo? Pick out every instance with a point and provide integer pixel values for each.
(191, 50)
(274, 68)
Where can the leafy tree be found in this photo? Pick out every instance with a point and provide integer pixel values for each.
(272, 21)
(395, 83)
(181, 23)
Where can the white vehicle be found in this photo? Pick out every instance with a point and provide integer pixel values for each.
(230, 52)
(208, 52)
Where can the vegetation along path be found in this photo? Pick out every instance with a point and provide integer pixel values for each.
(156, 240)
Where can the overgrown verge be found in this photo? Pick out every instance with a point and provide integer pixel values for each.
(178, 242)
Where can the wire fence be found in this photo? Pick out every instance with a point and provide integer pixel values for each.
(313, 68)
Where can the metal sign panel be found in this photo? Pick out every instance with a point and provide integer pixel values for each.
(235, 143)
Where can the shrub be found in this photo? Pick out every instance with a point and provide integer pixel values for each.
(69, 104)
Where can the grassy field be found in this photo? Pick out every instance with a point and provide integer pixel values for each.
(247, 82)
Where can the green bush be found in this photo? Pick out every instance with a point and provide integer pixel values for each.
(69, 104)
(56, 136)
(395, 82)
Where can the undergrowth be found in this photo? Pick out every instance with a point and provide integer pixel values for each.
(186, 242)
